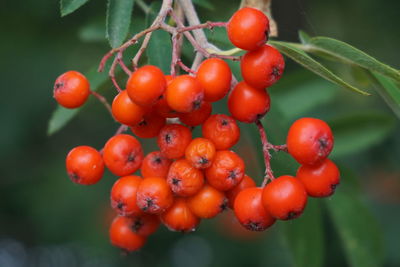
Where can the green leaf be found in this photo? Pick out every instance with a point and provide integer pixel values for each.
(61, 116)
(357, 132)
(292, 51)
(204, 4)
(69, 6)
(304, 37)
(119, 13)
(357, 228)
(388, 90)
(159, 49)
(349, 54)
(305, 236)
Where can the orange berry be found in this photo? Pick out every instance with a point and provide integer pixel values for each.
(125, 111)
(155, 164)
(123, 195)
(184, 179)
(198, 116)
(247, 182)
(71, 89)
(154, 195)
(222, 130)
(173, 140)
(184, 94)
(149, 126)
(179, 217)
(200, 153)
(122, 235)
(208, 202)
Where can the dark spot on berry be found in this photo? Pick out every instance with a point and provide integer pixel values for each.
(131, 157)
(254, 226)
(224, 122)
(224, 205)
(175, 181)
(232, 174)
(58, 85)
(73, 176)
(203, 161)
(160, 97)
(143, 123)
(137, 224)
(267, 34)
(333, 187)
(323, 143)
(120, 205)
(157, 160)
(168, 138)
(292, 215)
(276, 72)
(196, 104)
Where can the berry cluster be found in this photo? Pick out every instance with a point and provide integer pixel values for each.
(189, 178)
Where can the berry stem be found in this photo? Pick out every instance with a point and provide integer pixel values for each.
(186, 68)
(103, 100)
(267, 156)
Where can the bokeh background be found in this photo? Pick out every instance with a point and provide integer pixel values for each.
(45, 220)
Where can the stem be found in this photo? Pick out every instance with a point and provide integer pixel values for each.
(267, 156)
(103, 100)
(121, 129)
(186, 68)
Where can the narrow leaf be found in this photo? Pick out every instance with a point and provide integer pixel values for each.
(61, 116)
(388, 90)
(304, 37)
(347, 53)
(160, 47)
(305, 236)
(293, 52)
(357, 228)
(356, 132)
(69, 6)
(119, 13)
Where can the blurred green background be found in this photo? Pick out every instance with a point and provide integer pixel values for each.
(45, 220)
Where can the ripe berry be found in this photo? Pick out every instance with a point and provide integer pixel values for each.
(200, 153)
(250, 212)
(222, 130)
(162, 108)
(144, 224)
(184, 179)
(247, 104)
(319, 180)
(146, 85)
(179, 217)
(246, 182)
(214, 76)
(226, 171)
(208, 202)
(184, 94)
(154, 195)
(155, 164)
(71, 89)
(123, 195)
(309, 140)
(123, 154)
(198, 116)
(269, 64)
(84, 165)
(173, 140)
(125, 111)
(284, 198)
(248, 28)
(149, 126)
(122, 235)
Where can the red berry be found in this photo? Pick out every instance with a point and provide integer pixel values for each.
(144, 224)
(125, 111)
(71, 89)
(184, 94)
(248, 28)
(123, 195)
(222, 130)
(214, 76)
(247, 104)
(198, 116)
(226, 171)
(250, 212)
(155, 164)
(208, 202)
(146, 85)
(269, 64)
(173, 140)
(123, 154)
(309, 140)
(154, 195)
(179, 217)
(84, 165)
(247, 182)
(319, 180)
(284, 198)
(184, 179)
(149, 126)
(200, 153)
(123, 236)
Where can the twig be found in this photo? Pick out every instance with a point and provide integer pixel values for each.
(267, 156)
(185, 68)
